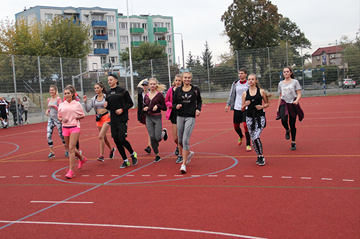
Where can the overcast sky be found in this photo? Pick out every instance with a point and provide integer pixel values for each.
(322, 21)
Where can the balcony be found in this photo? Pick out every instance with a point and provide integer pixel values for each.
(100, 37)
(101, 51)
(136, 30)
(99, 23)
(160, 30)
(136, 43)
(161, 42)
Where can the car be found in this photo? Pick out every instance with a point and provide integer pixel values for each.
(347, 83)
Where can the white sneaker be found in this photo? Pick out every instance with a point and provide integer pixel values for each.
(183, 168)
(191, 154)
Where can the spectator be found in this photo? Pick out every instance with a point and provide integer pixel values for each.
(25, 109)
(12, 109)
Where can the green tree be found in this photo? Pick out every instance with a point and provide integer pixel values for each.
(206, 57)
(145, 51)
(190, 61)
(351, 56)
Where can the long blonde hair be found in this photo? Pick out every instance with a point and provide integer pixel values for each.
(56, 89)
(159, 87)
(177, 76)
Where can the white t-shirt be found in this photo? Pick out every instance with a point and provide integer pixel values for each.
(288, 91)
(240, 88)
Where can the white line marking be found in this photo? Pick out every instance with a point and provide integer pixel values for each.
(305, 177)
(248, 176)
(230, 176)
(85, 175)
(16, 176)
(136, 227)
(99, 175)
(348, 180)
(69, 202)
(130, 175)
(43, 176)
(195, 175)
(178, 175)
(327, 179)
(145, 175)
(212, 176)
(285, 176)
(161, 175)
(2, 176)
(267, 176)
(30, 176)
(114, 175)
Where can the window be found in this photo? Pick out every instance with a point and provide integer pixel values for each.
(97, 17)
(86, 18)
(98, 32)
(332, 55)
(57, 16)
(136, 38)
(48, 17)
(144, 25)
(318, 58)
(168, 38)
(160, 38)
(145, 38)
(103, 59)
(135, 25)
(111, 33)
(99, 46)
(123, 26)
(169, 51)
(158, 24)
(124, 39)
(110, 18)
(167, 25)
(113, 59)
(112, 46)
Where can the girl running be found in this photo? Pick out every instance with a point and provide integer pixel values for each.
(252, 99)
(52, 112)
(172, 115)
(70, 112)
(102, 118)
(235, 102)
(144, 89)
(187, 101)
(288, 106)
(154, 103)
(118, 101)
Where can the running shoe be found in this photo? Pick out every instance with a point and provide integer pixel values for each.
(177, 151)
(258, 160)
(70, 174)
(134, 158)
(293, 146)
(112, 153)
(66, 153)
(261, 161)
(248, 148)
(101, 159)
(165, 134)
(148, 149)
(191, 154)
(80, 152)
(157, 159)
(51, 155)
(125, 164)
(179, 159)
(82, 162)
(287, 135)
(183, 169)
(240, 141)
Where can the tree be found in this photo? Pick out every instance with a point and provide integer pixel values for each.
(206, 57)
(351, 56)
(145, 51)
(190, 61)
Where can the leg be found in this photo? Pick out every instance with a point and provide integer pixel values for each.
(284, 118)
(292, 122)
(102, 142)
(247, 135)
(49, 132)
(104, 129)
(188, 128)
(58, 125)
(72, 139)
(151, 128)
(175, 135)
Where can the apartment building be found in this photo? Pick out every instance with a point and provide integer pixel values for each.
(103, 22)
(329, 56)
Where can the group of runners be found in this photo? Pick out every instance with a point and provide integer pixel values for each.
(182, 105)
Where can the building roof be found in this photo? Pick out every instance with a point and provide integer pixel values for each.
(327, 50)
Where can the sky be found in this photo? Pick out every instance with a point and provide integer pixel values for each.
(322, 21)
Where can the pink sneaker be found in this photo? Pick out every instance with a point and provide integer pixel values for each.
(70, 174)
(82, 162)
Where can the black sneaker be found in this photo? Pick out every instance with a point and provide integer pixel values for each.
(287, 135)
(261, 161)
(157, 159)
(112, 153)
(148, 149)
(258, 160)
(101, 159)
(293, 146)
(125, 164)
(179, 159)
(177, 151)
(134, 158)
(165, 134)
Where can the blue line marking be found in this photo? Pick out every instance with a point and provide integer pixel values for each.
(10, 152)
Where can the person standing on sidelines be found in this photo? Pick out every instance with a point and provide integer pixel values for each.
(70, 112)
(288, 106)
(253, 99)
(118, 101)
(171, 114)
(102, 118)
(187, 101)
(154, 103)
(238, 87)
(52, 112)
(26, 105)
(143, 90)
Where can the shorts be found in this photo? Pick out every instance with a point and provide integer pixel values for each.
(104, 119)
(67, 131)
(173, 116)
(119, 129)
(239, 116)
(3, 115)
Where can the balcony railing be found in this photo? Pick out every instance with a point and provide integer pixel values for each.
(100, 37)
(99, 23)
(136, 43)
(136, 30)
(161, 42)
(160, 30)
(101, 51)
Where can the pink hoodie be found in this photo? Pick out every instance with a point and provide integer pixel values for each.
(70, 111)
(168, 102)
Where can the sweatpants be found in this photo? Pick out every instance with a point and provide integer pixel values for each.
(185, 127)
(50, 129)
(255, 134)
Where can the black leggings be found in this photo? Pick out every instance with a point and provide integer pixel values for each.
(120, 144)
(292, 121)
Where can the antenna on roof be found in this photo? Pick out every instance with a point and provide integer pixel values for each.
(24, 8)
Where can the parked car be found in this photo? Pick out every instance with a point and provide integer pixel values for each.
(347, 83)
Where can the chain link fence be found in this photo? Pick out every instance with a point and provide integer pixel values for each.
(31, 76)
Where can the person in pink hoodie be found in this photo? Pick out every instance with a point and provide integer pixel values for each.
(70, 112)
(171, 114)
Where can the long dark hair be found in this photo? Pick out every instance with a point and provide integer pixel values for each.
(101, 86)
(292, 75)
(72, 91)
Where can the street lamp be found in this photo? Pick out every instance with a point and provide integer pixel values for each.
(182, 46)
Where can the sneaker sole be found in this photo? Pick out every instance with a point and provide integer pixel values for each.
(183, 171)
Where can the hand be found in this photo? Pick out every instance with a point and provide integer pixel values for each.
(84, 98)
(119, 111)
(79, 116)
(155, 108)
(259, 107)
(197, 112)
(247, 103)
(47, 112)
(296, 102)
(64, 120)
(226, 108)
(178, 106)
(146, 108)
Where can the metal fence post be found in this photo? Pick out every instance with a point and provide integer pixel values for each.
(126, 83)
(287, 55)
(62, 76)
(269, 66)
(237, 60)
(208, 70)
(152, 70)
(16, 106)
(302, 67)
(81, 79)
(41, 95)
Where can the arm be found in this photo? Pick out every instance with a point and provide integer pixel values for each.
(161, 105)
(89, 106)
(265, 99)
(79, 112)
(128, 101)
(198, 99)
(298, 93)
(168, 101)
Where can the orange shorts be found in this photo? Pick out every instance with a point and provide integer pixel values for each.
(104, 120)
